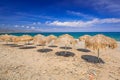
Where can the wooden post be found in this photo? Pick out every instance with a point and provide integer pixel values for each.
(65, 48)
(98, 55)
(43, 48)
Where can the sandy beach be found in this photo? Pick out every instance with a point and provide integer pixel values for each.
(59, 39)
(31, 64)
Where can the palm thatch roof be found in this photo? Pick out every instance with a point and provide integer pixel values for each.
(6, 37)
(15, 39)
(37, 39)
(101, 42)
(84, 38)
(26, 38)
(65, 39)
(42, 41)
(50, 38)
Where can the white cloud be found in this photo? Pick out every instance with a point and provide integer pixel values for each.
(110, 20)
(22, 26)
(32, 27)
(27, 26)
(79, 14)
(39, 23)
(16, 26)
(3, 24)
(47, 17)
(112, 6)
(36, 23)
(84, 23)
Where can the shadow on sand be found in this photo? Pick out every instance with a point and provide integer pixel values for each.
(44, 50)
(53, 46)
(27, 47)
(8, 44)
(28, 43)
(83, 50)
(92, 59)
(40, 45)
(65, 48)
(16, 45)
(13, 45)
(65, 54)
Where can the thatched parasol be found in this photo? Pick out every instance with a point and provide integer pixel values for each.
(113, 43)
(15, 39)
(6, 38)
(37, 38)
(65, 40)
(84, 38)
(0, 37)
(26, 38)
(100, 42)
(43, 42)
(50, 38)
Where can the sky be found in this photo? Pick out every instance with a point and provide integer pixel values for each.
(60, 15)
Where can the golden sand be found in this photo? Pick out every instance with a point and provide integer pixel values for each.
(30, 64)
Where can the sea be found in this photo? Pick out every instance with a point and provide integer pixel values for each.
(115, 35)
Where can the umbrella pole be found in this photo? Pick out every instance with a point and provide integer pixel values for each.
(25, 44)
(65, 48)
(6, 42)
(43, 48)
(98, 55)
(85, 45)
(28, 43)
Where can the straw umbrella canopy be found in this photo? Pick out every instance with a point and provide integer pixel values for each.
(15, 39)
(37, 38)
(50, 39)
(84, 38)
(42, 42)
(6, 38)
(113, 43)
(0, 37)
(26, 38)
(65, 40)
(100, 42)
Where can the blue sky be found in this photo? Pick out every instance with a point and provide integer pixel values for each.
(60, 15)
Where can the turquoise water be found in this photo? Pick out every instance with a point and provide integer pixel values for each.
(115, 35)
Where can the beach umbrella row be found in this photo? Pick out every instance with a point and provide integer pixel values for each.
(93, 42)
(42, 40)
(10, 38)
(97, 42)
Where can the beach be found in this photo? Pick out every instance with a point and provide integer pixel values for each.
(59, 39)
(31, 64)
